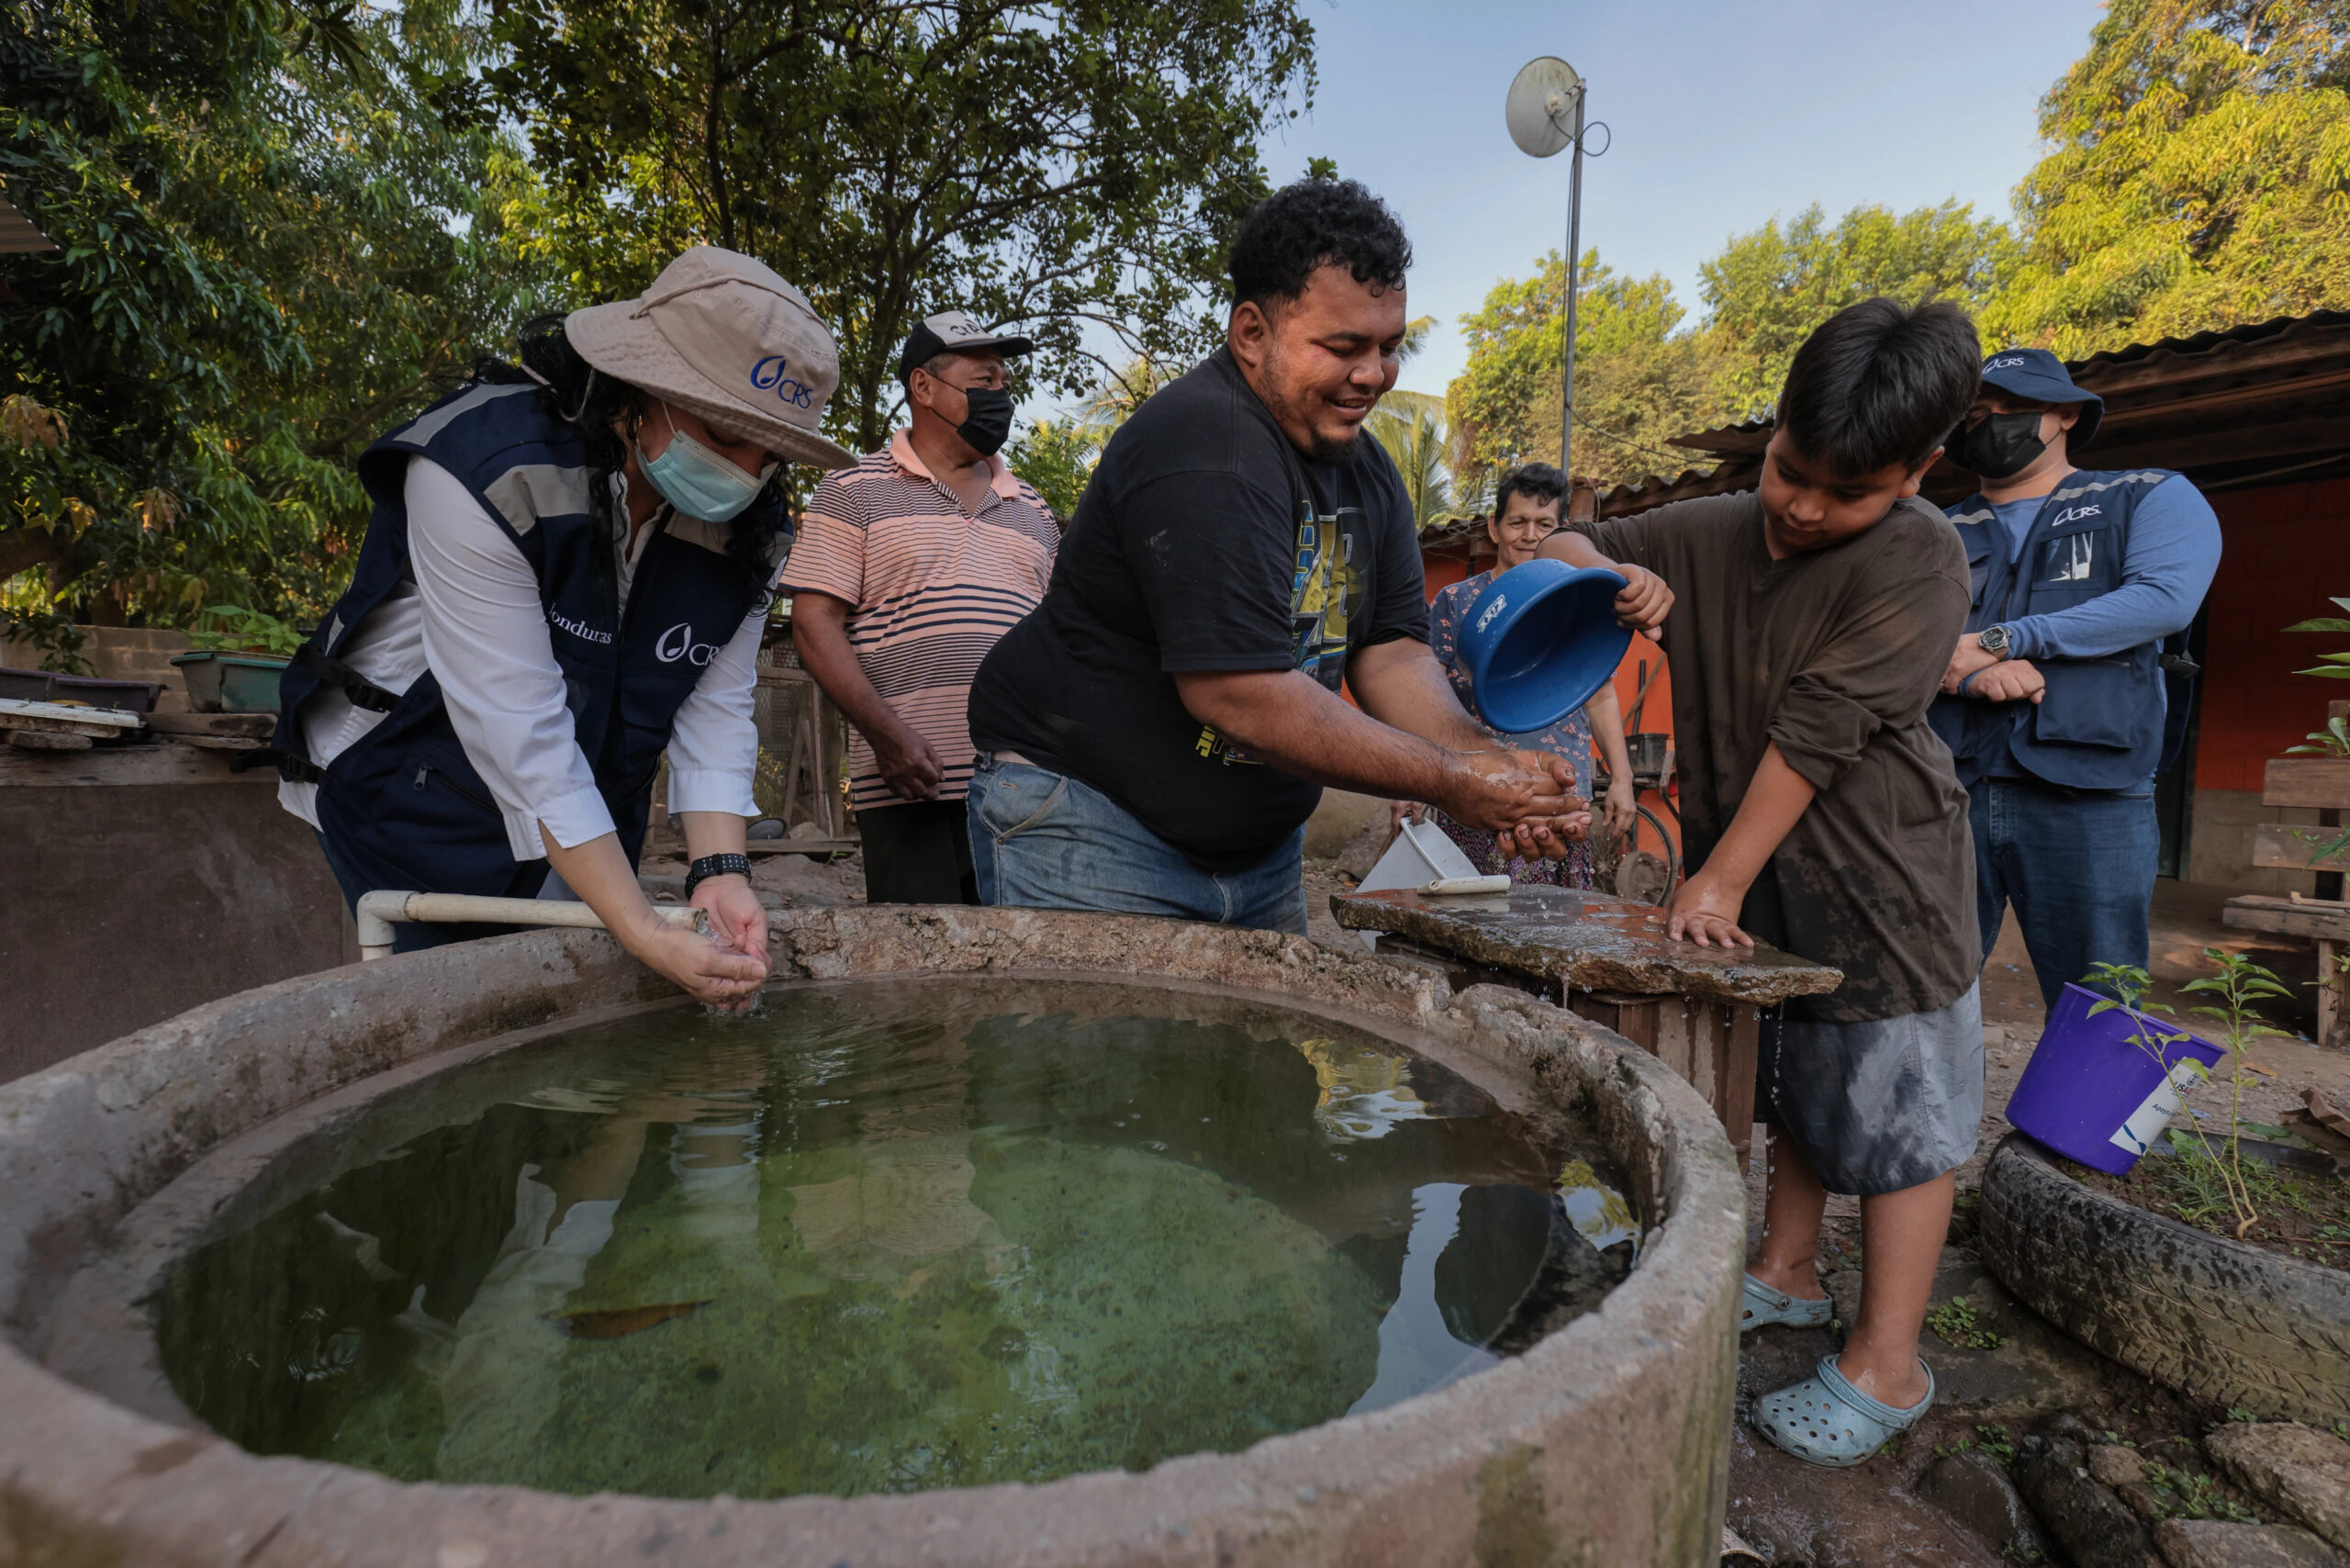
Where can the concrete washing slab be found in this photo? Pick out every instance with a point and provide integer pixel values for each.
(1606, 1444)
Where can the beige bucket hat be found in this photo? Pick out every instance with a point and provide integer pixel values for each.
(723, 337)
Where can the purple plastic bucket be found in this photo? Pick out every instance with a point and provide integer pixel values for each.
(2094, 1094)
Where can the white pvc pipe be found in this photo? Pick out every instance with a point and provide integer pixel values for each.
(379, 911)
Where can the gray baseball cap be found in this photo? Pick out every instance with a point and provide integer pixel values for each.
(953, 331)
(722, 336)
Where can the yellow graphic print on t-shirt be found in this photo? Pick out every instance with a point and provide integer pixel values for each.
(1324, 587)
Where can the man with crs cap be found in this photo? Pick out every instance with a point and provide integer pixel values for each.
(566, 574)
(2055, 704)
(908, 569)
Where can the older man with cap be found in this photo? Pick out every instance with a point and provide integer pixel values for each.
(566, 577)
(908, 569)
(2055, 703)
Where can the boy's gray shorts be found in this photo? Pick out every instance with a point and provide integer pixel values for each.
(1880, 1106)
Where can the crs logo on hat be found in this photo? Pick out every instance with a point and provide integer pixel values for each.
(2013, 362)
(768, 376)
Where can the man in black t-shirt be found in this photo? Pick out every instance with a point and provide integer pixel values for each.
(1154, 736)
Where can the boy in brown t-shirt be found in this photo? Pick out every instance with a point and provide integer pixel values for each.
(1809, 626)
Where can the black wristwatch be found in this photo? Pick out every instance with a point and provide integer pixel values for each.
(711, 866)
(1993, 641)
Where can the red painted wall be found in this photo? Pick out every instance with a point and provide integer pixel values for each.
(2285, 549)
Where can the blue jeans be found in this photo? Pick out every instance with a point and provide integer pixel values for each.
(2079, 868)
(1043, 841)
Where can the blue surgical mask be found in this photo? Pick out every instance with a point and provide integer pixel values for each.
(698, 481)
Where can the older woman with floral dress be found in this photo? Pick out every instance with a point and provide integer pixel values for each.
(1527, 506)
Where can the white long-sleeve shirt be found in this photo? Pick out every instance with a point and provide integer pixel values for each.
(474, 619)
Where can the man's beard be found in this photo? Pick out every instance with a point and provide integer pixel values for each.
(1322, 449)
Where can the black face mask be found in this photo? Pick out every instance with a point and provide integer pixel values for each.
(2002, 444)
(988, 424)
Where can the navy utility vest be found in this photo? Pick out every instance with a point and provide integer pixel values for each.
(2100, 723)
(403, 806)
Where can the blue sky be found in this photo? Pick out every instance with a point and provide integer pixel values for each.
(1725, 113)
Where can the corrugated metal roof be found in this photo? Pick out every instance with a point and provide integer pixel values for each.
(2259, 374)
(19, 235)
(2201, 342)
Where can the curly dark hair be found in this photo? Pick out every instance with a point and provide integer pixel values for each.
(1315, 223)
(1880, 383)
(1537, 482)
(577, 393)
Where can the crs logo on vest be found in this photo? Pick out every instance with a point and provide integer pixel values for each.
(678, 643)
(768, 376)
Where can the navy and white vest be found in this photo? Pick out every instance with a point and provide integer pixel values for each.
(2100, 723)
(403, 806)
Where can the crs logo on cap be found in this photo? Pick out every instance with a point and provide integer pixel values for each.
(2013, 362)
(768, 376)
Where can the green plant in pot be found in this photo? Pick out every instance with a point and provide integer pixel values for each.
(239, 656)
(232, 628)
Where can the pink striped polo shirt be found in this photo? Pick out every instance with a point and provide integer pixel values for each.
(933, 589)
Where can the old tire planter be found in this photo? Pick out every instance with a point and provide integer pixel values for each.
(2226, 1324)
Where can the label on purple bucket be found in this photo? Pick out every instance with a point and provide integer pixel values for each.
(2154, 1111)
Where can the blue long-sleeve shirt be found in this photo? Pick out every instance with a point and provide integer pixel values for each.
(2174, 550)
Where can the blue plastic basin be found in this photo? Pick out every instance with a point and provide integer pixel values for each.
(1538, 640)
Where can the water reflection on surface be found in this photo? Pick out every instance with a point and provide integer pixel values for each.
(890, 1236)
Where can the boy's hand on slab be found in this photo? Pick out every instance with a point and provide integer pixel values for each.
(1705, 911)
(2010, 680)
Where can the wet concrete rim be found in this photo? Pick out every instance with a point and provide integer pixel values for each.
(90, 1139)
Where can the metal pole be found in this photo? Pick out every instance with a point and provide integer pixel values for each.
(1574, 264)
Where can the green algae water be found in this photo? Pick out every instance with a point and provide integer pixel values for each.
(885, 1236)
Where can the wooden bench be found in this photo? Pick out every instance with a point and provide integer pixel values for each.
(2321, 783)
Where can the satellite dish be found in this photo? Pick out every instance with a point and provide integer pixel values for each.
(1541, 106)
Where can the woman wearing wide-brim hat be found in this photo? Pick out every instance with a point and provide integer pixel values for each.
(566, 574)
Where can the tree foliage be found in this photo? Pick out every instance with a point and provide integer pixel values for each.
(1769, 288)
(1053, 163)
(1642, 377)
(274, 240)
(2200, 177)
(1411, 427)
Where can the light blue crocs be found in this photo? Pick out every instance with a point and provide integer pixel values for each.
(1827, 1421)
(1761, 1307)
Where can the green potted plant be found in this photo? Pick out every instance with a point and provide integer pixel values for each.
(2211, 1270)
(239, 656)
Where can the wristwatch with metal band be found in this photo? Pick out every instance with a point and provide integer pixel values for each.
(1993, 641)
(711, 866)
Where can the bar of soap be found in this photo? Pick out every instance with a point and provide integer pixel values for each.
(1454, 886)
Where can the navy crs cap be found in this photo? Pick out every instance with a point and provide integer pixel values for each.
(2040, 376)
(953, 331)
